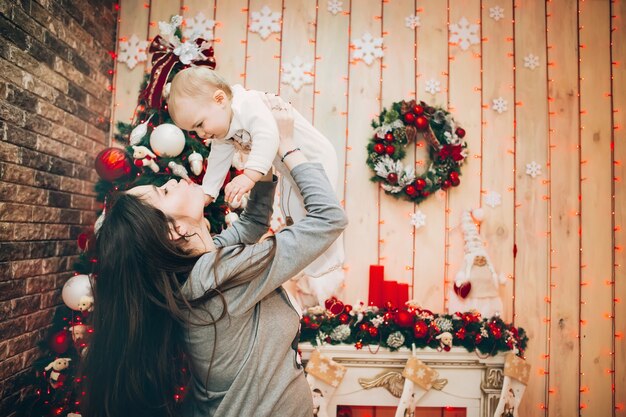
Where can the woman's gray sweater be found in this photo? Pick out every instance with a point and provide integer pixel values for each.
(253, 366)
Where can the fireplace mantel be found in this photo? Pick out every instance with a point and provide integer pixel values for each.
(465, 379)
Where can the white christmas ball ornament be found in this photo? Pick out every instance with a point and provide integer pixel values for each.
(75, 289)
(167, 140)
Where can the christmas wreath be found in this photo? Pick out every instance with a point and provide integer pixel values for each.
(399, 126)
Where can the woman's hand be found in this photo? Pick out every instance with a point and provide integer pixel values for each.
(288, 151)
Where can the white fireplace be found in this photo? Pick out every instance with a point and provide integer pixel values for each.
(373, 378)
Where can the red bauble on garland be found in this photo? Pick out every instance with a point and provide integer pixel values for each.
(404, 318)
(113, 164)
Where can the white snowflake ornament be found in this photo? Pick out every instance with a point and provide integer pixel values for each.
(418, 219)
(496, 13)
(493, 199)
(199, 27)
(133, 51)
(368, 48)
(265, 22)
(433, 86)
(412, 21)
(335, 6)
(464, 34)
(531, 61)
(297, 73)
(499, 104)
(533, 169)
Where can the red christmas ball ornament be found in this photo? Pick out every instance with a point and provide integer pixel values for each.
(379, 148)
(456, 182)
(425, 193)
(446, 184)
(392, 177)
(453, 176)
(478, 339)
(460, 132)
(409, 118)
(404, 318)
(389, 137)
(60, 342)
(373, 331)
(336, 308)
(420, 183)
(410, 190)
(421, 123)
(347, 308)
(364, 327)
(344, 318)
(113, 164)
(329, 302)
(420, 329)
(419, 110)
(390, 149)
(306, 320)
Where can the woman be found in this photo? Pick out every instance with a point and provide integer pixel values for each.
(167, 289)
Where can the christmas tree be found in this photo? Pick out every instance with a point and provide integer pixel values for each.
(153, 151)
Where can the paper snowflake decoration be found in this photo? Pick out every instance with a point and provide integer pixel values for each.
(132, 51)
(297, 73)
(499, 104)
(464, 34)
(335, 6)
(368, 48)
(265, 22)
(496, 13)
(433, 86)
(493, 199)
(412, 21)
(418, 219)
(531, 61)
(199, 27)
(533, 169)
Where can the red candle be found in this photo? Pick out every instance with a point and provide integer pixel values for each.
(390, 292)
(377, 274)
(403, 294)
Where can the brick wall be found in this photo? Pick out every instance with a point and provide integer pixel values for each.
(54, 118)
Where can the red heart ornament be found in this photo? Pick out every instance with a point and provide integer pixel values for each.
(463, 290)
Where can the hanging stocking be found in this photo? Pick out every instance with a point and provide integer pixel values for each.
(516, 373)
(324, 376)
(419, 378)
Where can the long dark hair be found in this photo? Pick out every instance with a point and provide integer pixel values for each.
(136, 357)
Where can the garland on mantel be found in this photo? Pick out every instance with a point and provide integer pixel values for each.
(389, 327)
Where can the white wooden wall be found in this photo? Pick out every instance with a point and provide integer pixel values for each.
(567, 284)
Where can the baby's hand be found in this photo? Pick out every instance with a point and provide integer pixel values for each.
(235, 189)
(283, 114)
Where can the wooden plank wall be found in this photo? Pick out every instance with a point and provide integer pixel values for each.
(557, 237)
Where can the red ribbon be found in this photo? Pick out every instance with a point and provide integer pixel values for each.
(163, 62)
(453, 151)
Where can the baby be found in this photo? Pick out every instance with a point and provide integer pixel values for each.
(232, 118)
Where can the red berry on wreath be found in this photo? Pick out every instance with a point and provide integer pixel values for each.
(373, 331)
(425, 193)
(344, 318)
(409, 118)
(446, 184)
(364, 327)
(421, 123)
(379, 148)
(390, 149)
(419, 110)
(410, 190)
(420, 183)
(460, 132)
(454, 176)
(392, 177)
(389, 137)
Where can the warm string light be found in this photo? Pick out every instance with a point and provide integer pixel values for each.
(246, 11)
(280, 49)
(548, 322)
(380, 109)
(315, 59)
(581, 321)
(615, 228)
